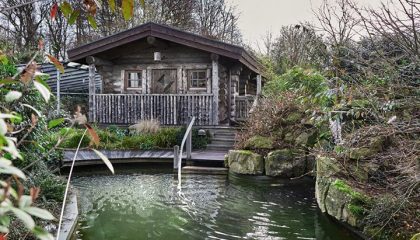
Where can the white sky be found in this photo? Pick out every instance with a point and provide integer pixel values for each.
(256, 17)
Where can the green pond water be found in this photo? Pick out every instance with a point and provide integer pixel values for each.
(145, 204)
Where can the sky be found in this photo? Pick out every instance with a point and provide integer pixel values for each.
(256, 17)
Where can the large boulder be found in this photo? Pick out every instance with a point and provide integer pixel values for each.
(285, 163)
(245, 162)
(307, 138)
(335, 197)
(340, 201)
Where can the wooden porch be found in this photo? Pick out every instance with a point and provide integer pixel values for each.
(168, 109)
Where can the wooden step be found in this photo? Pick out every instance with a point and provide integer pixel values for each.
(219, 147)
(221, 139)
(204, 170)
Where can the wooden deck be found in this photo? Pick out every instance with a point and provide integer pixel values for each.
(88, 157)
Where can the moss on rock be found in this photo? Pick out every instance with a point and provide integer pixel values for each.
(285, 163)
(259, 142)
(293, 118)
(245, 162)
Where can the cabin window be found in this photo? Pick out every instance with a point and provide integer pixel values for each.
(198, 79)
(133, 79)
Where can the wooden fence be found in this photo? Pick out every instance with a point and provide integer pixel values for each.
(243, 106)
(169, 109)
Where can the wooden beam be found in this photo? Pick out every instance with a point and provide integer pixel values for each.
(215, 90)
(234, 81)
(98, 61)
(156, 42)
(214, 57)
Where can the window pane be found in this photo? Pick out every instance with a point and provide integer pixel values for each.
(202, 83)
(134, 83)
(198, 78)
(202, 75)
(134, 79)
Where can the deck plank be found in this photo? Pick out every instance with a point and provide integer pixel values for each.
(88, 157)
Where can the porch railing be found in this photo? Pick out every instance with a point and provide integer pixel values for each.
(169, 109)
(243, 106)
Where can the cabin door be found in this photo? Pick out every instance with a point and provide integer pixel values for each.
(164, 81)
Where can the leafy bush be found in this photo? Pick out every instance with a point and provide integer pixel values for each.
(73, 139)
(139, 142)
(117, 138)
(117, 131)
(52, 186)
(199, 142)
(278, 123)
(310, 86)
(167, 137)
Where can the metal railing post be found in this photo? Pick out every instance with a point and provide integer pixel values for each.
(189, 145)
(184, 140)
(176, 156)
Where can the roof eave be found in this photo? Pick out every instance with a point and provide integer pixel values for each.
(170, 34)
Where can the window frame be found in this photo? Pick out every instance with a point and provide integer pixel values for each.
(126, 79)
(190, 79)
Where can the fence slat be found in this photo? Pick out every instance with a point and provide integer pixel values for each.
(168, 109)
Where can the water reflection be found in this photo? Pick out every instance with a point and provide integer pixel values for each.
(149, 206)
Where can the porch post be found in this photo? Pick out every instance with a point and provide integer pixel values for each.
(235, 73)
(258, 84)
(215, 88)
(92, 99)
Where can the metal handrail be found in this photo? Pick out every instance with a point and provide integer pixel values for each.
(187, 135)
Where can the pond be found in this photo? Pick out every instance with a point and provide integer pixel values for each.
(145, 204)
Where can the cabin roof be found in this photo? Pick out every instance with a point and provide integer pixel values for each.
(168, 33)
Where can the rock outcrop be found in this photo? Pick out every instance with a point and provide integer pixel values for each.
(245, 162)
(285, 163)
(335, 197)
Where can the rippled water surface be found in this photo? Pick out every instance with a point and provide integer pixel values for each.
(147, 205)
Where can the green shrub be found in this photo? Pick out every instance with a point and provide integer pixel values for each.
(116, 138)
(199, 142)
(73, 138)
(117, 131)
(310, 85)
(139, 142)
(52, 186)
(167, 137)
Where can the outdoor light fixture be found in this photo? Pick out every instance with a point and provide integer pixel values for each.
(202, 132)
(157, 56)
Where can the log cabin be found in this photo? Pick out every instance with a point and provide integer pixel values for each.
(154, 71)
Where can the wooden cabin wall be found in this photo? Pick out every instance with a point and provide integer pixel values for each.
(177, 57)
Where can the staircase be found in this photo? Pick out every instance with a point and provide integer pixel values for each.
(223, 139)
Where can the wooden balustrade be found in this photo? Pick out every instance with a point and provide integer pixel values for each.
(168, 109)
(243, 106)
